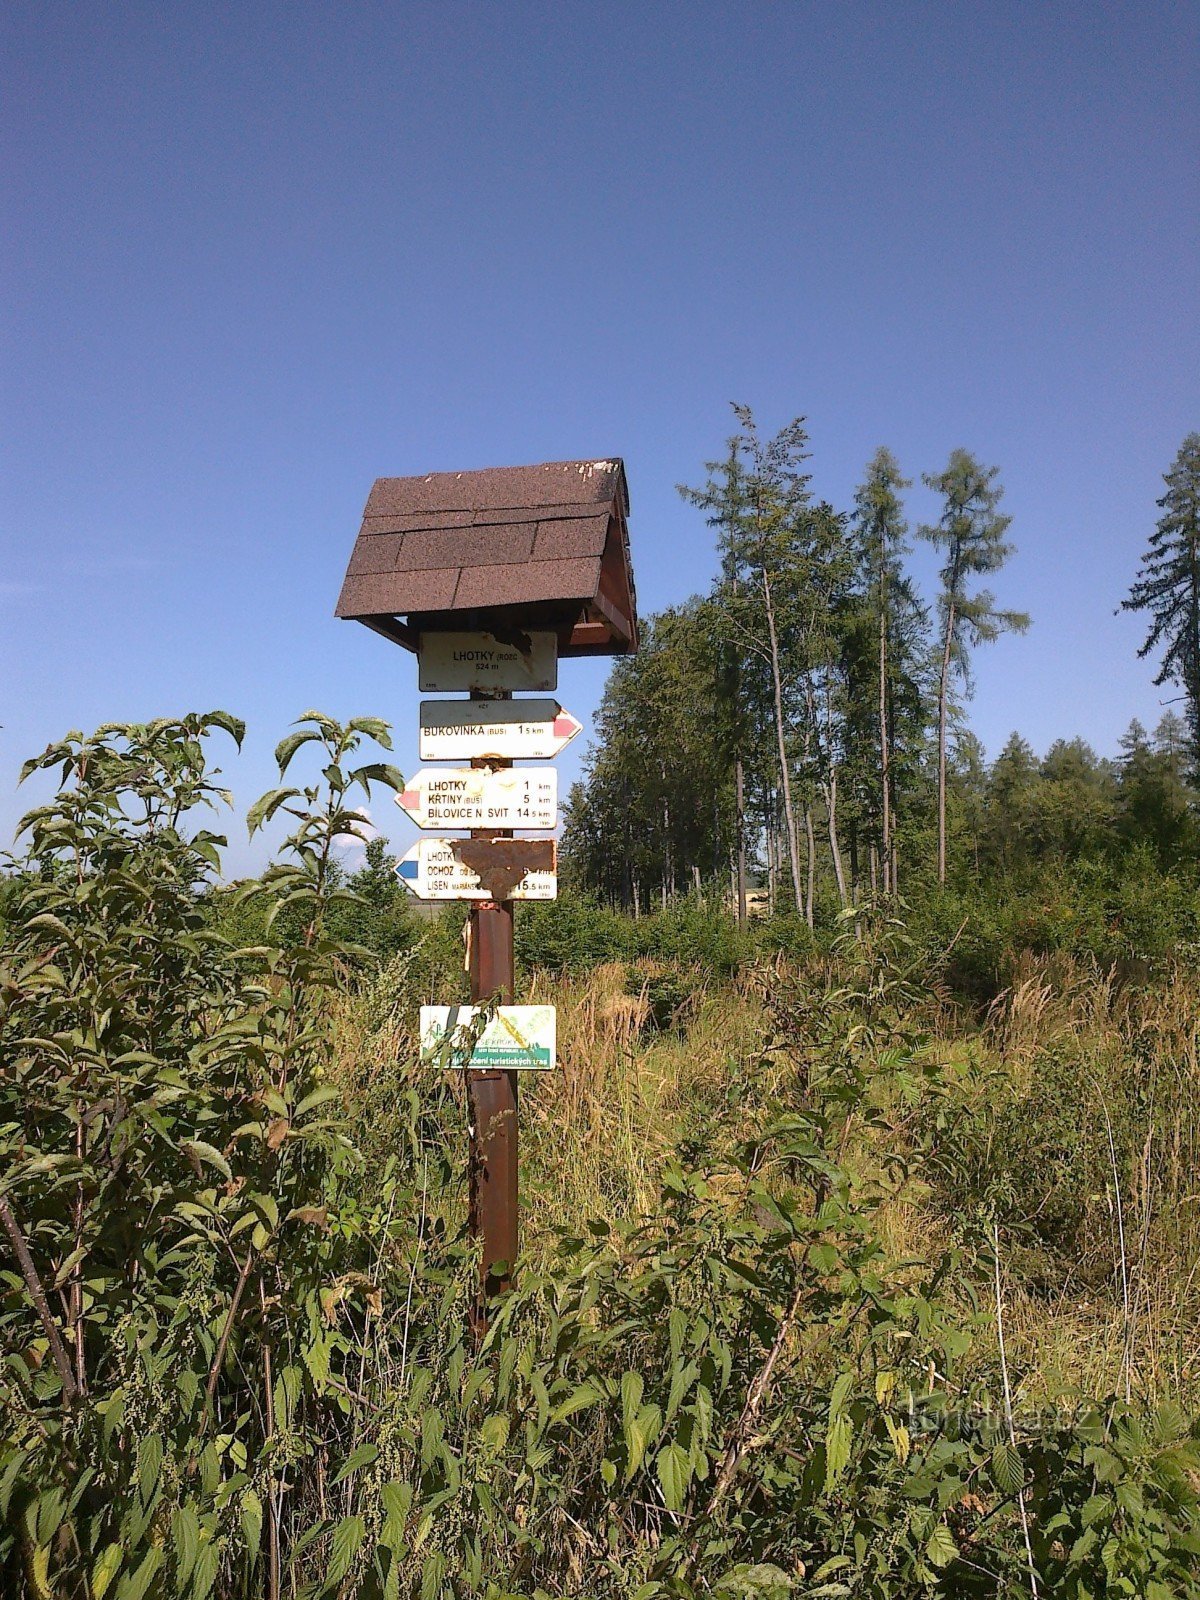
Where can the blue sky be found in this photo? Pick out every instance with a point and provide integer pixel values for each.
(256, 256)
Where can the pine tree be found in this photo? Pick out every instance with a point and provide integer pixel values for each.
(757, 499)
(891, 604)
(1168, 586)
(971, 532)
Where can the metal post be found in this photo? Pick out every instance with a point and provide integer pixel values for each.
(493, 1107)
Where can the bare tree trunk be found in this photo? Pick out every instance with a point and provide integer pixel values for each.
(943, 692)
(885, 764)
(839, 871)
(810, 838)
(785, 780)
(739, 806)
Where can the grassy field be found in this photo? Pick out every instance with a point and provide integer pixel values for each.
(841, 1276)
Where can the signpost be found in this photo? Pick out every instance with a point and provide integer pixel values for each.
(480, 869)
(517, 1038)
(488, 576)
(481, 797)
(514, 730)
(480, 662)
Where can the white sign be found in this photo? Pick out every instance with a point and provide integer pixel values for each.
(517, 1038)
(513, 730)
(452, 661)
(432, 871)
(471, 797)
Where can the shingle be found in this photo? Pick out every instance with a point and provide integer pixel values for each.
(375, 552)
(378, 592)
(531, 580)
(463, 547)
(484, 519)
(413, 521)
(553, 483)
(565, 537)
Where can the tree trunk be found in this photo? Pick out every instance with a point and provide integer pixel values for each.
(739, 805)
(839, 871)
(884, 741)
(810, 838)
(943, 692)
(785, 780)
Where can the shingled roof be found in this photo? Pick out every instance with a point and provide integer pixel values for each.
(544, 546)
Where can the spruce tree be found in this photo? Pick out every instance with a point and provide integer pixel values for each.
(1168, 587)
(971, 532)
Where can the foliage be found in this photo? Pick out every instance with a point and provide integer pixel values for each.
(238, 1356)
(1168, 587)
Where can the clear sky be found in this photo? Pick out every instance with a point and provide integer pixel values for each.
(257, 255)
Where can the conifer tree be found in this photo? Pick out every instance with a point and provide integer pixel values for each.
(882, 530)
(971, 532)
(1168, 586)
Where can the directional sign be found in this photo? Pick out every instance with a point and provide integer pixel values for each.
(514, 730)
(470, 797)
(480, 869)
(517, 1037)
(451, 661)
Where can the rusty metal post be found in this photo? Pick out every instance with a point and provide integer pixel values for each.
(493, 1105)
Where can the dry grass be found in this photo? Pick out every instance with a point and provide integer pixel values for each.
(596, 1132)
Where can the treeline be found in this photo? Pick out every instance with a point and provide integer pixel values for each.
(801, 726)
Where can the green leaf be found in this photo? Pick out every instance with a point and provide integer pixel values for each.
(587, 1394)
(149, 1463)
(494, 1432)
(287, 747)
(265, 807)
(108, 1564)
(640, 1436)
(134, 1585)
(252, 1522)
(233, 726)
(837, 1451)
(185, 1532)
(674, 1469)
(940, 1549)
(207, 1152)
(347, 1537)
(632, 1386)
(208, 1561)
(362, 1457)
(318, 1097)
(1007, 1469)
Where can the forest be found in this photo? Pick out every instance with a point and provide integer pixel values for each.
(860, 1249)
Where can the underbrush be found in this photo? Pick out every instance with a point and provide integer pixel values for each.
(828, 1288)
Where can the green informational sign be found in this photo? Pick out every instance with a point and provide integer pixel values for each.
(515, 1039)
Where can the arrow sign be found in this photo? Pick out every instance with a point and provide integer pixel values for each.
(450, 661)
(516, 1038)
(480, 869)
(512, 730)
(471, 797)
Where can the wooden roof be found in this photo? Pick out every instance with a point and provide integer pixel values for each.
(543, 546)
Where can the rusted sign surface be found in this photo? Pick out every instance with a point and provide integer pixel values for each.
(455, 661)
(481, 869)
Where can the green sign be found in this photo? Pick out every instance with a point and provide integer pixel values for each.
(513, 1039)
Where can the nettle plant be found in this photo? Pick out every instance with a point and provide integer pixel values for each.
(167, 1158)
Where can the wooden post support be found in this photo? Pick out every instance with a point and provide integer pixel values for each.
(493, 1105)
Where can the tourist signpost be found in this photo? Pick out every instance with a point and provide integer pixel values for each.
(479, 661)
(489, 576)
(468, 869)
(481, 797)
(477, 730)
